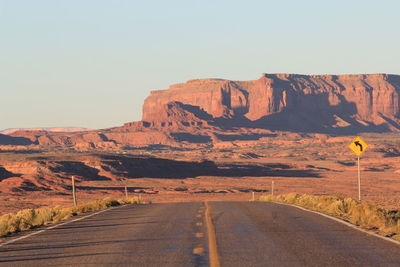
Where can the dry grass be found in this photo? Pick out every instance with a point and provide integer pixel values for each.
(31, 218)
(382, 221)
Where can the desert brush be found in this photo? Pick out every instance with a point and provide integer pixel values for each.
(30, 218)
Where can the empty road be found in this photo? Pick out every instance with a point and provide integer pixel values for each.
(175, 234)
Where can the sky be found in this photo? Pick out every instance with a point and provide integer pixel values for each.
(91, 63)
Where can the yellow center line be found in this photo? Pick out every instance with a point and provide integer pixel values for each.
(198, 235)
(198, 251)
(212, 240)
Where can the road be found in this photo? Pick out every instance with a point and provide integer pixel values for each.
(268, 234)
(175, 234)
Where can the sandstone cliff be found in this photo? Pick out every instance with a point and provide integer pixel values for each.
(310, 103)
(216, 112)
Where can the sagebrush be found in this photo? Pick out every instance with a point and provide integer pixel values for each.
(31, 218)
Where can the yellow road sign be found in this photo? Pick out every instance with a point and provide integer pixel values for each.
(358, 146)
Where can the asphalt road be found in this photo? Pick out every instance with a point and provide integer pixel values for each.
(134, 235)
(268, 234)
(247, 234)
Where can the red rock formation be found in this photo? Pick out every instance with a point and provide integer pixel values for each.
(107, 139)
(204, 112)
(296, 102)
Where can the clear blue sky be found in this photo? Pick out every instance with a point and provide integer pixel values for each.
(91, 63)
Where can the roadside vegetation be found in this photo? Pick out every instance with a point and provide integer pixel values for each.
(382, 221)
(31, 218)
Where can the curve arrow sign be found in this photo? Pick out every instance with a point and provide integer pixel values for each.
(357, 143)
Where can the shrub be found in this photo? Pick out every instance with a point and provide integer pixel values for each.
(31, 218)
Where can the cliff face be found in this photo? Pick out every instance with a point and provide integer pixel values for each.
(210, 111)
(286, 102)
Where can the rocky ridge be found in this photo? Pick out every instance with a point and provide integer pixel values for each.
(54, 129)
(288, 102)
(223, 113)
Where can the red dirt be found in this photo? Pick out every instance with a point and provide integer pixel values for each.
(302, 165)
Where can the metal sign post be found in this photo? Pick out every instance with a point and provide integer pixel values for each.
(359, 179)
(358, 146)
(272, 187)
(126, 192)
(73, 190)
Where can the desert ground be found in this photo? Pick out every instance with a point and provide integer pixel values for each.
(232, 171)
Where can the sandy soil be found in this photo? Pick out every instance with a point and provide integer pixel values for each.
(228, 171)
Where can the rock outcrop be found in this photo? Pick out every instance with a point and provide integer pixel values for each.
(215, 112)
(111, 139)
(309, 103)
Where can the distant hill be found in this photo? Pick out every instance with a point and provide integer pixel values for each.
(57, 129)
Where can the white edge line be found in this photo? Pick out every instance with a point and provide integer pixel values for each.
(55, 226)
(342, 222)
